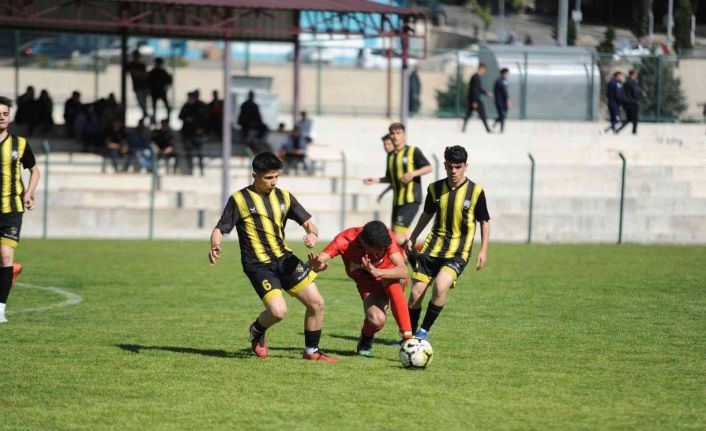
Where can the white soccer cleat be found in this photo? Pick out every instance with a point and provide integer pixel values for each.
(3, 319)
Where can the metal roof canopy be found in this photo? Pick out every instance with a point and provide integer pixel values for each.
(228, 20)
(248, 20)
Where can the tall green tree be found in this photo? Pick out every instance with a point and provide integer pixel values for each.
(640, 17)
(682, 26)
(661, 92)
(607, 45)
(456, 89)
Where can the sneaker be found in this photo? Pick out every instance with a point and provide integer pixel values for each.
(422, 334)
(16, 270)
(365, 352)
(259, 345)
(318, 356)
(3, 319)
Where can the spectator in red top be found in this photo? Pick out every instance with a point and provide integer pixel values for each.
(375, 263)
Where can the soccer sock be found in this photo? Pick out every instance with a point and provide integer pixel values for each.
(311, 341)
(5, 283)
(433, 312)
(257, 328)
(414, 314)
(398, 305)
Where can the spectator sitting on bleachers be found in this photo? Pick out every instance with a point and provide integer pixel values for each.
(163, 138)
(278, 140)
(295, 152)
(72, 109)
(88, 127)
(115, 143)
(306, 125)
(138, 148)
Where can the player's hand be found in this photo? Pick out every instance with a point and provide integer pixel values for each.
(310, 240)
(409, 244)
(481, 260)
(316, 264)
(214, 255)
(370, 180)
(368, 266)
(406, 178)
(29, 201)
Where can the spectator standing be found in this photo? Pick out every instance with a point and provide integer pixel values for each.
(159, 81)
(415, 91)
(502, 99)
(616, 97)
(24, 106)
(250, 121)
(72, 108)
(193, 116)
(215, 115)
(140, 81)
(631, 106)
(475, 90)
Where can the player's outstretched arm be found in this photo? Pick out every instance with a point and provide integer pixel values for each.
(28, 198)
(485, 240)
(312, 233)
(397, 272)
(423, 221)
(215, 253)
(318, 262)
(409, 176)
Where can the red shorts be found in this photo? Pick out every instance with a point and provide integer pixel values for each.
(376, 288)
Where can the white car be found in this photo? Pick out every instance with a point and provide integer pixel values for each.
(376, 59)
(632, 53)
(113, 52)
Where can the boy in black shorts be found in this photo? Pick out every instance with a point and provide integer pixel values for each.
(259, 213)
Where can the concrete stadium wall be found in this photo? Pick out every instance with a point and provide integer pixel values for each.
(577, 186)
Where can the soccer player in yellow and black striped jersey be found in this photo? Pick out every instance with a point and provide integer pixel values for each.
(259, 213)
(15, 153)
(457, 205)
(405, 167)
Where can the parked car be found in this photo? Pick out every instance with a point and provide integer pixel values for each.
(50, 49)
(376, 58)
(113, 52)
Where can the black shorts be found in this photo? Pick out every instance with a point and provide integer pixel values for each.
(428, 267)
(10, 227)
(403, 216)
(287, 273)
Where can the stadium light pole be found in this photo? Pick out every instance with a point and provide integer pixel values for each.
(227, 112)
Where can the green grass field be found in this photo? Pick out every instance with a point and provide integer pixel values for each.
(546, 337)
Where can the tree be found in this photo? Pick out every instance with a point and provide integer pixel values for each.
(606, 45)
(639, 17)
(446, 100)
(682, 26)
(484, 13)
(661, 93)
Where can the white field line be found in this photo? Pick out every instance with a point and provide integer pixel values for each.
(71, 299)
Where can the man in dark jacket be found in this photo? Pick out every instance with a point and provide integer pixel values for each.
(159, 80)
(194, 117)
(502, 99)
(616, 97)
(250, 120)
(631, 106)
(475, 90)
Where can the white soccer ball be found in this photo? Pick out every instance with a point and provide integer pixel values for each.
(416, 353)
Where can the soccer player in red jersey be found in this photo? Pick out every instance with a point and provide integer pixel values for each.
(375, 263)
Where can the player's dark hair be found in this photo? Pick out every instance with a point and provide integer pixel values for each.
(396, 126)
(632, 72)
(386, 137)
(6, 101)
(616, 74)
(504, 71)
(455, 154)
(375, 234)
(265, 162)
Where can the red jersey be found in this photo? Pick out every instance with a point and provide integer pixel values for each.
(346, 244)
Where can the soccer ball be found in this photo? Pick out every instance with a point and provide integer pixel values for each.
(416, 353)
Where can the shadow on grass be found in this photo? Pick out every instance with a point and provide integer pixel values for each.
(137, 348)
(382, 341)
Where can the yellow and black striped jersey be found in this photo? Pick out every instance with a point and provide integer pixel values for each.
(14, 150)
(260, 220)
(457, 211)
(400, 162)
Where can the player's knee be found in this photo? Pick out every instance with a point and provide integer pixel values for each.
(376, 318)
(279, 311)
(316, 304)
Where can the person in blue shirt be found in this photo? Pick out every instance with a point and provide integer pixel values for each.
(616, 97)
(502, 99)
